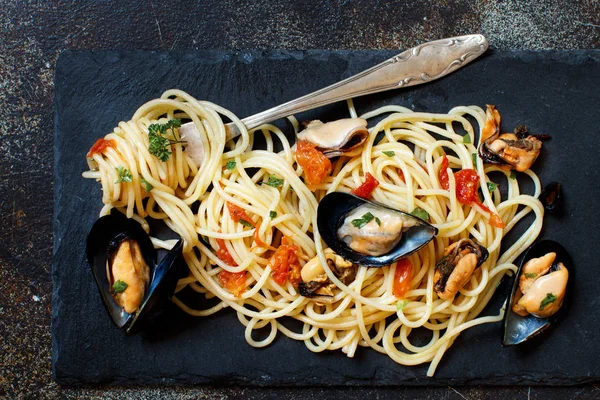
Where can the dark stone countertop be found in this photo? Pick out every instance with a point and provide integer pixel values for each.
(33, 33)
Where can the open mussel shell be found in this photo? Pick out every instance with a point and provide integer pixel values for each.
(104, 237)
(334, 208)
(518, 329)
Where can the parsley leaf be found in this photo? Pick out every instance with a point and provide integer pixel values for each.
(124, 175)
(474, 157)
(420, 213)
(362, 221)
(389, 153)
(491, 186)
(467, 139)
(205, 242)
(513, 174)
(159, 144)
(530, 275)
(550, 298)
(147, 185)
(274, 181)
(246, 223)
(273, 214)
(401, 304)
(119, 286)
(378, 221)
(230, 165)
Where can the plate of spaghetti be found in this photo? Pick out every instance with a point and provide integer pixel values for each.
(246, 210)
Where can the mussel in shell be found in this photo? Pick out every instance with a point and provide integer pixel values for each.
(337, 137)
(368, 233)
(133, 286)
(540, 290)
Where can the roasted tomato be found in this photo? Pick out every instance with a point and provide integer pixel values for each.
(467, 182)
(235, 282)
(366, 189)
(284, 263)
(238, 214)
(100, 146)
(314, 163)
(402, 277)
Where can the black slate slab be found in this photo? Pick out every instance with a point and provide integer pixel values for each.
(552, 92)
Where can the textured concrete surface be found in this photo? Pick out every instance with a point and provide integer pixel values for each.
(33, 33)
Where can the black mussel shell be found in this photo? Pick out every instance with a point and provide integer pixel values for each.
(552, 199)
(103, 239)
(331, 212)
(518, 329)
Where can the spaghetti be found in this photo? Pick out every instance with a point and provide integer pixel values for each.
(252, 203)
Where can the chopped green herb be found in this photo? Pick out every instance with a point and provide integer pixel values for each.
(530, 275)
(389, 153)
(513, 174)
(401, 304)
(550, 298)
(119, 286)
(274, 181)
(420, 213)
(124, 175)
(474, 157)
(378, 221)
(467, 139)
(491, 186)
(159, 144)
(147, 186)
(362, 221)
(230, 165)
(246, 223)
(273, 214)
(205, 242)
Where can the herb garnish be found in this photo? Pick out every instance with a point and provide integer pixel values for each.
(550, 298)
(378, 221)
(273, 214)
(474, 157)
(124, 175)
(420, 213)
(362, 221)
(230, 165)
(246, 223)
(513, 174)
(389, 153)
(119, 286)
(530, 275)
(274, 181)
(401, 304)
(147, 185)
(467, 139)
(491, 186)
(159, 144)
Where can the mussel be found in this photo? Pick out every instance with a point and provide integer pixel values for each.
(552, 199)
(337, 137)
(316, 285)
(132, 285)
(541, 287)
(517, 150)
(368, 233)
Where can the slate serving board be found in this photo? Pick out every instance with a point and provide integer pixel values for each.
(553, 92)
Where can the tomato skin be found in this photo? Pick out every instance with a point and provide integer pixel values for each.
(366, 189)
(443, 174)
(100, 146)
(315, 165)
(284, 263)
(467, 182)
(402, 277)
(238, 213)
(235, 282)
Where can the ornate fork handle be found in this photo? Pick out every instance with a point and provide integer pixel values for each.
(424, 63)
